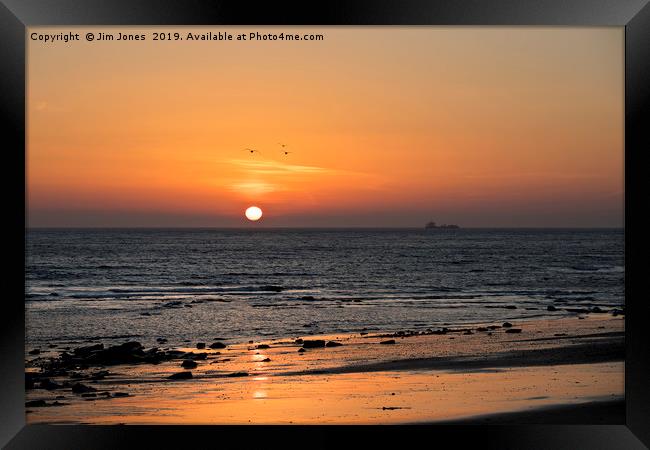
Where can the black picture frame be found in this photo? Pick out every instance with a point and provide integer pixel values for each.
(16, 15)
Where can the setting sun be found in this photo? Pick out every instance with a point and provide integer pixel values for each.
(253, 213)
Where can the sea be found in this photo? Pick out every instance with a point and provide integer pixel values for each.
(196, 285)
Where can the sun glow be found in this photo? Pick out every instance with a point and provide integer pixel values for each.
(253, 213)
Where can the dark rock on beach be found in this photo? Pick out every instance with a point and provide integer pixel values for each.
(46, 383)
(263, 346)
(506, 325)
(217, 345)
(388, 342)
(237, 374)
(200, 345)
(29, 381)
(189, 364)
(333, 344)
(36, 351)
(180, 376)
(301, 350)
(79, 388)
(85, 351)
(316, 343)
(513, 330)
(35, 404)
(551, 308)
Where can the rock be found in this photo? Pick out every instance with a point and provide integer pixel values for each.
(513, 330)
(29, 380)
(189, 364)
(85, 351)
(333, 344)
(493, 327)
(174, 304)
(301, 350)
(266, 360)
(298, 341)
(36, 351)
(217, 345)
(510, 307)
(46, 383)
(596, 309)
(388, 342)
(121, 394)
(237, 374)
(468, 332)
(506, 325)
(481, 329)
(79, 388)
(263, 346)
(161, 340)
(200, 345)
(99, 375)
(35, 404)
(551, 308)
(89, 394)
(316, 343)
(307, 297)
(617, 312)
(363, 333)
(180, 376)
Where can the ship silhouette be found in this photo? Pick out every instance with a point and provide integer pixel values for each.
(433, 226)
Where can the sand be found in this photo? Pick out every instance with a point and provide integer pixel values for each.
(551, 371)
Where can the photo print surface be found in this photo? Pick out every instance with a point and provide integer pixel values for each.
(324, 225)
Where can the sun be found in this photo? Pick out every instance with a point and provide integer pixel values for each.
(253, 213)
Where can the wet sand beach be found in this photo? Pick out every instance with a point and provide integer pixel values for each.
(470, 372)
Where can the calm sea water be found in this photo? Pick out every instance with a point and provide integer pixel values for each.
(197, 285)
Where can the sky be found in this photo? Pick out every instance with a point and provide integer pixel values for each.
(387, 127)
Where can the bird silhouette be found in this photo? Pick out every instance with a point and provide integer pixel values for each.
(251, 150)
(282, 145)
(286, 153)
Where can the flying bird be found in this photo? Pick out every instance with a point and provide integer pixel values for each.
(251, 150)
(283, 150)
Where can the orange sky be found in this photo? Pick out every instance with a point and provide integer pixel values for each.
(389, 126)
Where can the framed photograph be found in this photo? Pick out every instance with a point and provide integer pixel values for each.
(259, 219)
